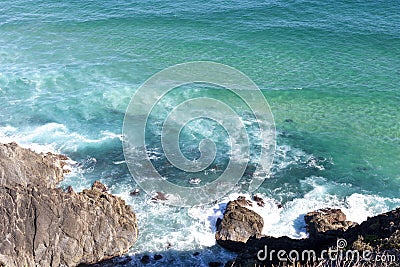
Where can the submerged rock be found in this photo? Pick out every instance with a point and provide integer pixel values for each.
(160, 196)
(41, 225)
(157, 257)
(145, 259)
(237, 226)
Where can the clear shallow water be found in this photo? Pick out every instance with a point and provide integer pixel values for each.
(330, 71)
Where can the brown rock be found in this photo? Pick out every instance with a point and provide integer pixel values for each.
(69, 189)
(242, 201)
(41, 225)
(48, 227)
(97, 185)
(326, 222)
(237, 225)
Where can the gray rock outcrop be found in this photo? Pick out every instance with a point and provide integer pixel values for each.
(21, 166)
(41, 225)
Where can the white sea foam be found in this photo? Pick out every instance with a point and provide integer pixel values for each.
(286, 156)
(53, 137)
(359, 207)
(10, 134)
(289, 219)
(182, 229)
(194, 228)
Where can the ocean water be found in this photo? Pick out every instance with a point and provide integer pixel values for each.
(329, 70)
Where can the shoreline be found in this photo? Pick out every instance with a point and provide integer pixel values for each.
(254, 239)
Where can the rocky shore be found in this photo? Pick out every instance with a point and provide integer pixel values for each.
(42, 225)
(379, 237)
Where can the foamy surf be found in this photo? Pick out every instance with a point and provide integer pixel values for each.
(52, 137)
(180, 233)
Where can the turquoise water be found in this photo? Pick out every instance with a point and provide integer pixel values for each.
(329, 70)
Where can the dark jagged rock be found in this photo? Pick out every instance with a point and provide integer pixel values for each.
(69, 189)
(145, 259)
(97, 185)
(242, 201)
(237, 226)
(249, 255)
(41, 225)
(134, 192)
(326, 222)
(379, 234)
(260, 202)
(382, 232)
(160, 196)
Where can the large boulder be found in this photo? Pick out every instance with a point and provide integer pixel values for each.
(238, 225)
(326, 222)
(41, 225)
